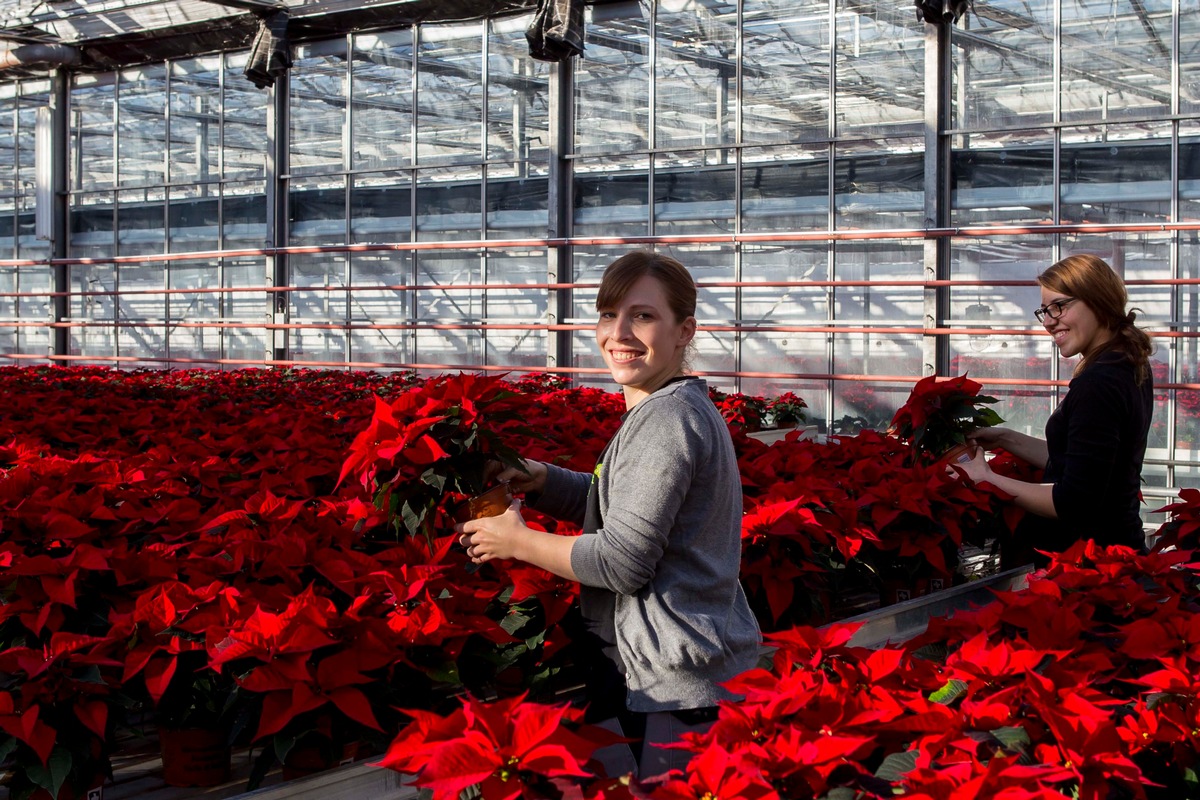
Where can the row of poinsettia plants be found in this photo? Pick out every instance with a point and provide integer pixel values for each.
(1082, 686)
(270, 552)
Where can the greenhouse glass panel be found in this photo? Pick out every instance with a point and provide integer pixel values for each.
(142, 299)
(1003, 74)
(10, 135)
(193, 218)
(8, 223)
(382, 79)
(691, 198)
(244, 140)
(1189, 172)
(880, 184)
(195, 120)
(1003, 179)
(612, 83)
(386, 348)
(1189, 64)
(318, 283)
(524, 347)
(771, 305)
(202, 305)
(24, 157)
(785, 70)
(450, 92)
(148, 346)
(1187, 350)
(324, 345)
(318, 107)
(141, 220)
(92, 230)
(865, 404)
(375, 299)
(249, 341)
(318, 299)
(518, 99)
(317, 210)
(9, 285)
(93, 304)
(381, 207)
(612, 196)
(9, 305)
(28, 244)
(37, 282)
(142, 126)
(517, 203)
(449, 205)
(244, 215)
(785, 189)
(1133, 79)
(449, 305)
(91, 157)
(1109, 174)
(879, 59)
(875, 308)
(695, 74)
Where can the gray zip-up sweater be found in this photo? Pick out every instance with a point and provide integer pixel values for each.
(669, 549)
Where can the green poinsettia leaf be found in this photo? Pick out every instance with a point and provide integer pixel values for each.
(431, 477)
(949, 693)
(896, 766)
(7, 746)
(841, 793)
(413, 516)
(1014, 738)
(53, 774)
(987, 417)
(513, 622)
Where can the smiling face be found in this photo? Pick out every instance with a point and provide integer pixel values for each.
(1078, 330)
(642, 341)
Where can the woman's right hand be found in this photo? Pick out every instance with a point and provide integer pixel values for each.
(988, 438)
(532, 479)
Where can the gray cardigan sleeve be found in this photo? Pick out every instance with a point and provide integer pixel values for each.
(646, 476)
(565, 494)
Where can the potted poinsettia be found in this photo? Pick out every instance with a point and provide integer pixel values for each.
(786, 410)
(938, 415)
(429, 447)
(198, 717)
(742, 412)
(54, 708)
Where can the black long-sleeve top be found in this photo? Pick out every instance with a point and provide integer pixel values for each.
(1096, 440)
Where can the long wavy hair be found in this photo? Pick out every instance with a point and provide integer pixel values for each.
(1090, 279)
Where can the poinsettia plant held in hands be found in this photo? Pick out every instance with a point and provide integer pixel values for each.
(940, 413)
(433, 440)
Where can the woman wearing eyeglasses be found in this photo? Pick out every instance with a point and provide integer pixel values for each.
(1096, 438)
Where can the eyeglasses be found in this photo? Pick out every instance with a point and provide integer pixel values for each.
(1053, 310)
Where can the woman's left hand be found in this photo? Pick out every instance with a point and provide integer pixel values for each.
(494, 537)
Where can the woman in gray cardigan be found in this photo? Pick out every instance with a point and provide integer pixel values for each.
(661, 515)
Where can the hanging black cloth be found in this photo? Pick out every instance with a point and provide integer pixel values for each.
(271, 54)
(556, 32)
